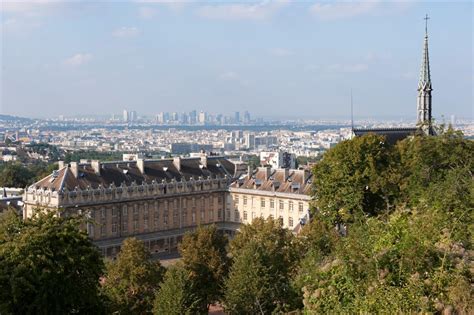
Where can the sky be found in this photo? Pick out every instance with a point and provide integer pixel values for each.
(276, 59)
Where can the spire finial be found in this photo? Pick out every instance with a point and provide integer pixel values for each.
(426, 18)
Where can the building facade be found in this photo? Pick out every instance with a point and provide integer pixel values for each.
(276, 193)
(156, 201)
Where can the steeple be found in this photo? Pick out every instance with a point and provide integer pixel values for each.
(425, 88)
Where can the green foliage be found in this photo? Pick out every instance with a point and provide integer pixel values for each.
(175, 296)
(204, 255)
(254, 161)
(410, 263)
(132, 279)
(354, 178)
(15, 175)
(414, 253)
(265, 258)
(76, 156)
(18, 175)
(48, 266)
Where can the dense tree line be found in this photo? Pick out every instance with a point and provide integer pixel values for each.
(15, 174)
(391, 232)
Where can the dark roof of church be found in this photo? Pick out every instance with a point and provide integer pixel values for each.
(392, 135)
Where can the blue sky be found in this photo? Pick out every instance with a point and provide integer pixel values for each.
(273, 58)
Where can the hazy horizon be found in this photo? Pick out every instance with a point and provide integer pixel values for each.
(272, 58)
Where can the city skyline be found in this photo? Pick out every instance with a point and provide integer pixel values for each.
(236, 57)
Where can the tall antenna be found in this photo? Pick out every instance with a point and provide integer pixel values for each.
(352, 112)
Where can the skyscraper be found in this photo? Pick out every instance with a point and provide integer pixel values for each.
(125, 116)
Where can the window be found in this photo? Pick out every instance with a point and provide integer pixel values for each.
(272, 203)
(281, 204)
(124, 211)
(103, 213)
(236, 199)
(236, 215)
(290, 206)
(114, 213)
(145, 224)
(245, 215)
(165, 217)
(211, 215)
(184, 202)
(135, 225)
(114, 228)
(270, 216)
(290, 222)
(262, 202)
(245, 200)
(219, 214)
(184, 216)
(300, 207)
(103, 230)
(202, 215)
(194, 217)
(156, 217)
(124, 226)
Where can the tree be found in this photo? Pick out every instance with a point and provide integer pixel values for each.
(175, 296)
(356, 177)
(15, 175)
(48, 266)
(204, 255)
(265, 257)
(411, 255)
(132, 279)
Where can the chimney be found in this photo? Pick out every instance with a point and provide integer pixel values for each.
(268, 172)
(96, 166)
(306, 175)
(60, 164)
(204, 159)
(177, 163)
(75, 169)
(141, 165)
(249, 171)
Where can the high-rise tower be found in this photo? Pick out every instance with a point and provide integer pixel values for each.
(424, 89)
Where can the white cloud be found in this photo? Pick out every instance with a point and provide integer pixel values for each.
(126, 32)
(146, 12)
(259, 11)
(228, 76)
(341, 10)
(78, 60)
(348, 68)
(280, 52)
(171, 4)
(339, 68)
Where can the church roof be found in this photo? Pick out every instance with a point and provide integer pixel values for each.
(392, 135)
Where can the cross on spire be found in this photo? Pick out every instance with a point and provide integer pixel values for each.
(426, 18)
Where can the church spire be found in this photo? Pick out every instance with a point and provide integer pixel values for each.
(424, 87)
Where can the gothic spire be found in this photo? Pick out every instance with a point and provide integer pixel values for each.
(424, 89)
(425, 76)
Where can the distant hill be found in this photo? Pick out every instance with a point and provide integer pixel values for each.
(13, 118)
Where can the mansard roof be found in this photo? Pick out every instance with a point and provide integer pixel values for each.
(128, 172)
(279, 180)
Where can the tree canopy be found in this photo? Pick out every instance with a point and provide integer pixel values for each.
(204, 255)
(133, 279)
(48, 266)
